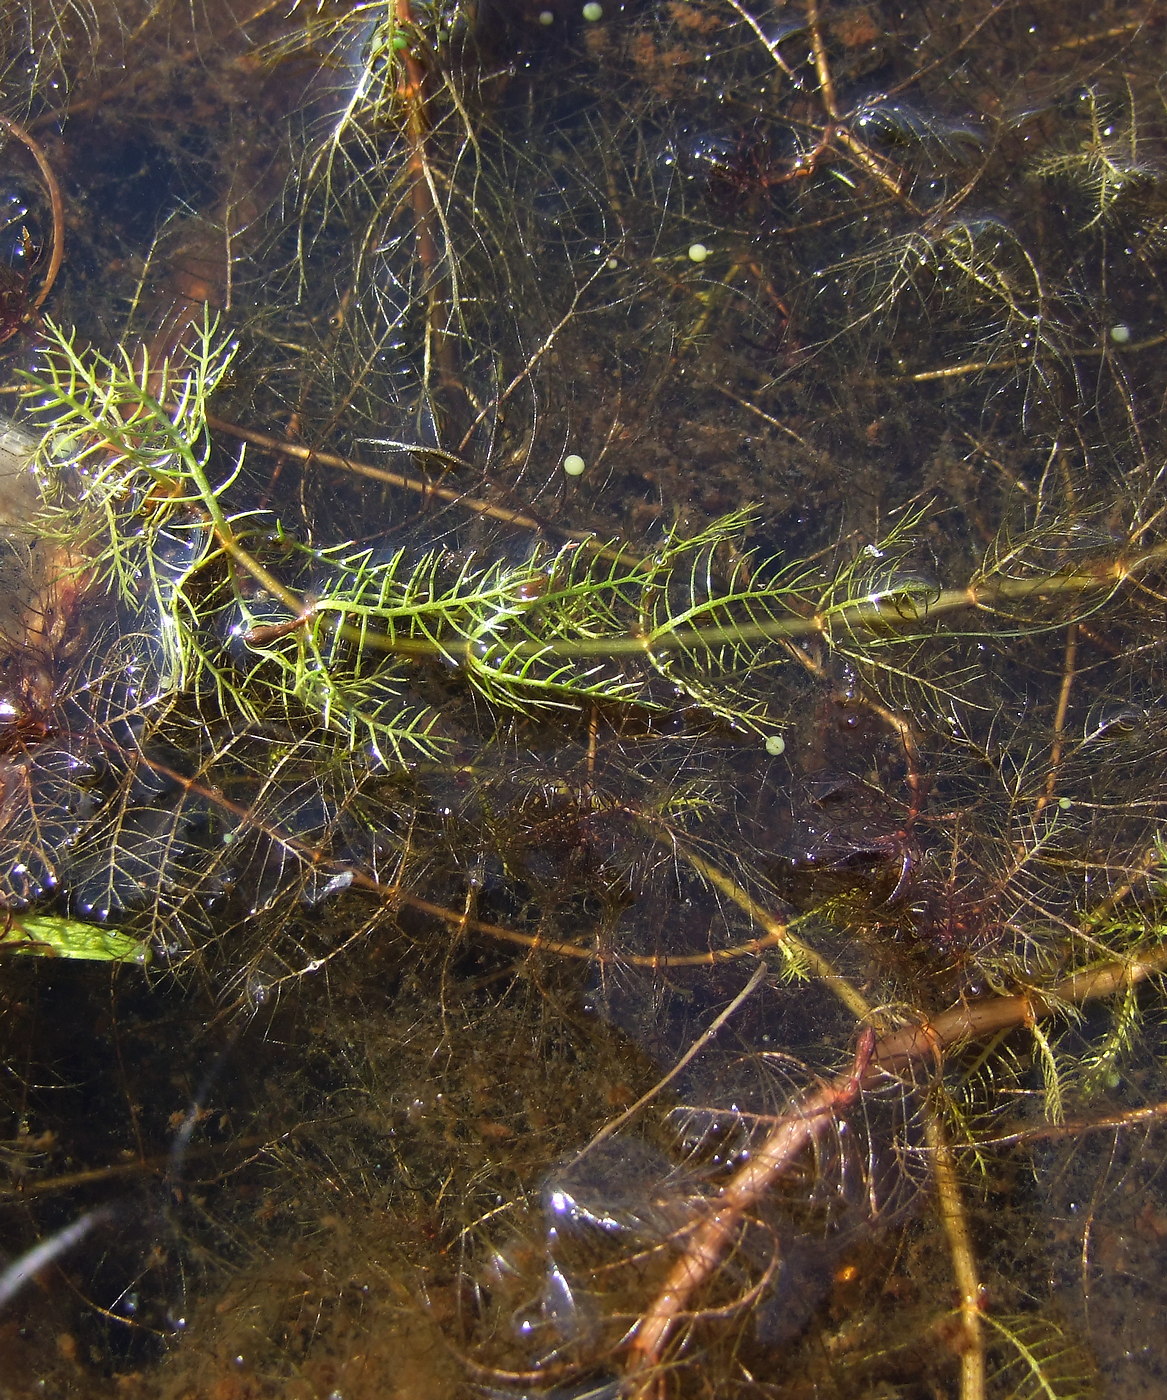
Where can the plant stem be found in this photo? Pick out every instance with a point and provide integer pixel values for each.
(816, 1110)
(230, 541)
(56, 206)
(704, 1248)
(778, 932)
(964, 1265)
(870, 614)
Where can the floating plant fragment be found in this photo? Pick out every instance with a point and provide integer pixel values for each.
(57, 936)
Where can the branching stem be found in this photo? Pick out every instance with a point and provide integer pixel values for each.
(703, 1250)
(894, 1054)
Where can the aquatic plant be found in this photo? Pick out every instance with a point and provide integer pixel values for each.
(671, 914)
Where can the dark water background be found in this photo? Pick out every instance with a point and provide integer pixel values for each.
(329, 1139)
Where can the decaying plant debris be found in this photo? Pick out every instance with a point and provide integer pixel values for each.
(582, 747)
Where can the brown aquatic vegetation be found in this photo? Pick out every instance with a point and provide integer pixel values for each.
(788, 859)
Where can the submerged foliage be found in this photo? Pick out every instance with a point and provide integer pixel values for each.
(680, 929)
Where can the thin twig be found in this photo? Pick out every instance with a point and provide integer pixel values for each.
(822, 68)
(56, 205)
(411, 91)
(770, 45)
(615, 1124)
(1075, 1128)
(429, 489)
(777, 931)
(395, 895)
(1069, 670)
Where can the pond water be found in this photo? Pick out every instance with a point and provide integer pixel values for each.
(582, 755)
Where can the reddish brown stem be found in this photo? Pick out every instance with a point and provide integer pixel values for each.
(265, 634)
(893, 1054)
(411, 90)
(704, 1249)
(56, 205)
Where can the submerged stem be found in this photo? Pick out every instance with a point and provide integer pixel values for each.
(964, 1265)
